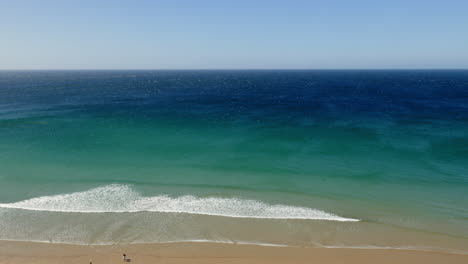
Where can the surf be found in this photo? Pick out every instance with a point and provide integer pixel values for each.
(123, 199)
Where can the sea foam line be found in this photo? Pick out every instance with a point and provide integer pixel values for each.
(233, 242)
(122, 199)
(253, 243)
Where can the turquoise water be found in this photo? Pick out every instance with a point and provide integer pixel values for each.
(308, 158)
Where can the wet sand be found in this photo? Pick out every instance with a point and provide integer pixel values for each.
(30, 252)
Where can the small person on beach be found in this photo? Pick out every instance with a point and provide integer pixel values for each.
(124, 257)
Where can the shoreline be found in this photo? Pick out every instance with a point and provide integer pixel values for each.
(243, 243)
(209, 252)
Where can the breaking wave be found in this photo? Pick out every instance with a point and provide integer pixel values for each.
(122, 198)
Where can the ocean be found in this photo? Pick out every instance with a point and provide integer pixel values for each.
(328, 158)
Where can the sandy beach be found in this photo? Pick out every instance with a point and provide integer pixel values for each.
(30, 252)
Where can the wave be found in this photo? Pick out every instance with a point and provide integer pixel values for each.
(255, 243)
(234, 242)
(122, 198)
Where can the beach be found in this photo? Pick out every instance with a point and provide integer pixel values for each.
(310, 162)
(29, 252)
(233, 132)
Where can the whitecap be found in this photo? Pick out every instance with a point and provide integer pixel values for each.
(122, 198)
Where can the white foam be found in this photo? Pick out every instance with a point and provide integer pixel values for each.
(235, 242)
(422, 248)
(121, 198)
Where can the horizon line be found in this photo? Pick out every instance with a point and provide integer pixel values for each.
(242, 69)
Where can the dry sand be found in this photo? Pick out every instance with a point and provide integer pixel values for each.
(30, 252)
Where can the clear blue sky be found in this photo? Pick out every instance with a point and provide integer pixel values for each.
(212, 34)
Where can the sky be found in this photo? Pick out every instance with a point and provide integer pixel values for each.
(234, 34)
